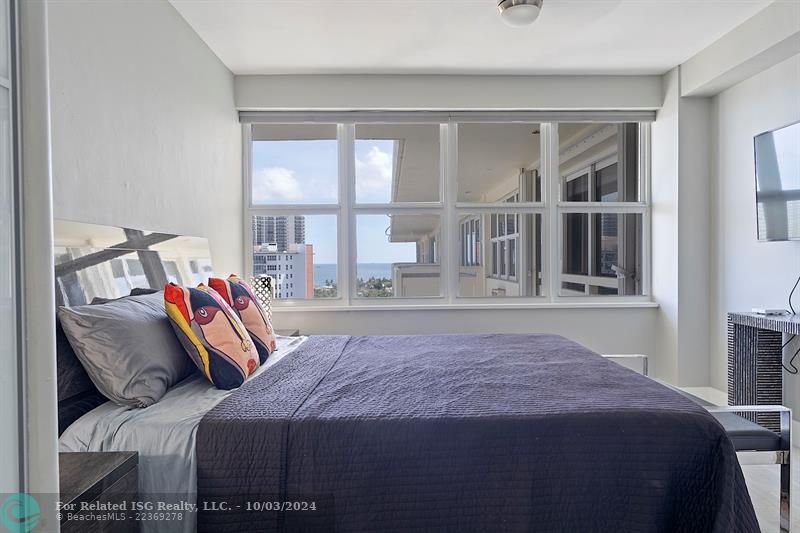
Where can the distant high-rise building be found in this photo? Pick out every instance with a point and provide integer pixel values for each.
(281, 231)
(292, 270)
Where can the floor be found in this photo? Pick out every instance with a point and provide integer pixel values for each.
(762, 483)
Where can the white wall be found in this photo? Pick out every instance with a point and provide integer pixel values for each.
(145, 133)
(41, 425)
(769, 37)
(664, 197)
(693, 240)
(609, 330)
(745, 272)
(680, 234)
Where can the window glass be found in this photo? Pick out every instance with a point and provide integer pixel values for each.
(577, 188)
(602, 254)
(599, 162)
(576, 255)
(299, 253)
(512, 258)
(496, 160)
(397, 256)
(294, 164)
(606, 184)
(397, 163)
(513, 264)
(471, 245)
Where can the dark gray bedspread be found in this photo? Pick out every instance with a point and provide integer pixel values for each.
(465, 433)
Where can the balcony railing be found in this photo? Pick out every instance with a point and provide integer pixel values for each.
(410, 280)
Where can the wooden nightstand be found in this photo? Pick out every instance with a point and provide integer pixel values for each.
(288, 332)
(98, 477)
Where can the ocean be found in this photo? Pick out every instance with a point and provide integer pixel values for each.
(324, 272)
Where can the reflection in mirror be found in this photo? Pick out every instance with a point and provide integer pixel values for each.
(94, 261)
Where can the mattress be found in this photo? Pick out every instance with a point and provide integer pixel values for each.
(448, 432)
(463, 433)
(164, 436)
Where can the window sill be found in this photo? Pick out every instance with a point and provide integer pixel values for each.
(463, 307)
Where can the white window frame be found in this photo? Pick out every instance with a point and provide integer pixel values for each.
(451, 211)
(505, 239)
(640, 207)
(467, 230)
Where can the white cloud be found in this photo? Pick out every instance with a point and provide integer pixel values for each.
(374, 176)
(276, 184)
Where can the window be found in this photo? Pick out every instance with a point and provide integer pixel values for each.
(500, 164)
(497, 159)
(396, 163)
(397, 256)
(602, 216)
(294, 164)
(311, 254)
(515, 258)
(608, 260)
(471, 245)
(448, 211)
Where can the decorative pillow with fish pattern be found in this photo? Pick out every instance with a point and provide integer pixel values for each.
(212, 334)
(240, 296)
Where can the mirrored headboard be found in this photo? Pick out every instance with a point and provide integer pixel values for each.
(94, 263)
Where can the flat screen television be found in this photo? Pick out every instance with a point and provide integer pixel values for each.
(777, 157)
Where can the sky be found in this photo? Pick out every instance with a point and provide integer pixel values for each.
(305, 172)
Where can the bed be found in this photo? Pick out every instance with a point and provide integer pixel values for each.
(479, 432)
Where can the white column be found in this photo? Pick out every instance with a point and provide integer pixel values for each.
(40, 397)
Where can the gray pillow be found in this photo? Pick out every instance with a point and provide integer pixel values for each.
(127, 347)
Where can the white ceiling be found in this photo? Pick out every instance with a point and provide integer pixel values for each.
(459, 36)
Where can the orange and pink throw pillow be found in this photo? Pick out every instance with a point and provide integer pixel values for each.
(212, 334)
(239, 295)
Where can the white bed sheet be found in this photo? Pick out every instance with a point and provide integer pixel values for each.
(163, 434)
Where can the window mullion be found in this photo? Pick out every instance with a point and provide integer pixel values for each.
(551, 267)
(288, 210)
(247, 170)
(644, 197)
(450, 268)
(346, 221)
(602, 208)
(394, 209)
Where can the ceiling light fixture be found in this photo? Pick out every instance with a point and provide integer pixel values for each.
(519, 12)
